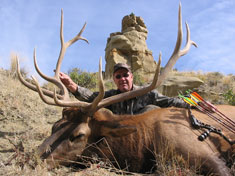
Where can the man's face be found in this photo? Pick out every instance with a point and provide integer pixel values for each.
(123, 79)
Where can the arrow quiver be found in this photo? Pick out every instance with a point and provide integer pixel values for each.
(209, 129)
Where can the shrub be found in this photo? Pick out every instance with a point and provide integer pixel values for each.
(83, 78)
(230, 97)
(214, 78)
(138, 79)
(109, 84)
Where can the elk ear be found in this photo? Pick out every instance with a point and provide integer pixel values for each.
(115, 129)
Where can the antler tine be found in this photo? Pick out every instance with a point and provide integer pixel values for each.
(30, 85)
(56, 81)
(42, 96)
(78, 36)
(63, 46)
(84, 106)
(189, 42)
(179, 33)
(177, 52)
(100, 96)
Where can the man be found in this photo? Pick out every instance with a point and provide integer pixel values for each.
(123, 78)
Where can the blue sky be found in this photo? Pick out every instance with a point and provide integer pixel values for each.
(26, 25)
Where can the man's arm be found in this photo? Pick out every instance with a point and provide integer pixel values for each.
(68, 82)
(82, 93)
(164, 101)
(79, 92)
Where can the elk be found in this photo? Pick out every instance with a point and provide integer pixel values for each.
(129, 141)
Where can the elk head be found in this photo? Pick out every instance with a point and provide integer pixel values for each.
(83, 123)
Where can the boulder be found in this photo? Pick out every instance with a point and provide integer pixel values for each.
(173, 84)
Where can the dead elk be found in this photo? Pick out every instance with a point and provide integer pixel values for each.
(129, 142)
(132, 142)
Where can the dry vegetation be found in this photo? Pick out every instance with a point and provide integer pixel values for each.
(25, 121)
(215, 85)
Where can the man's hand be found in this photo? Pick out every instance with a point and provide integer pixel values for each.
(68, 82)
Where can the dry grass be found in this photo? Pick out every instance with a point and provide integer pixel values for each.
(24, 120)
(13, 67)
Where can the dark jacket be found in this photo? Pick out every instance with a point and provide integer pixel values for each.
(134, 105)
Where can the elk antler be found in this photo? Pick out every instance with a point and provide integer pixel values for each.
(177, 52)
(55, 80)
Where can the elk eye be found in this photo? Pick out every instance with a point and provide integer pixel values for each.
(80, 136)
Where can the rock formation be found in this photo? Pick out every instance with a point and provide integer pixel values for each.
(129, 46)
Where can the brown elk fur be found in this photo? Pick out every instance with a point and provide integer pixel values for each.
(132, 142)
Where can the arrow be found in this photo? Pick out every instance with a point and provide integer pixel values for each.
(214, 109)
(196, 100)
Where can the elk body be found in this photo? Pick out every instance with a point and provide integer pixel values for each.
(132, 142)
(129, 141)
